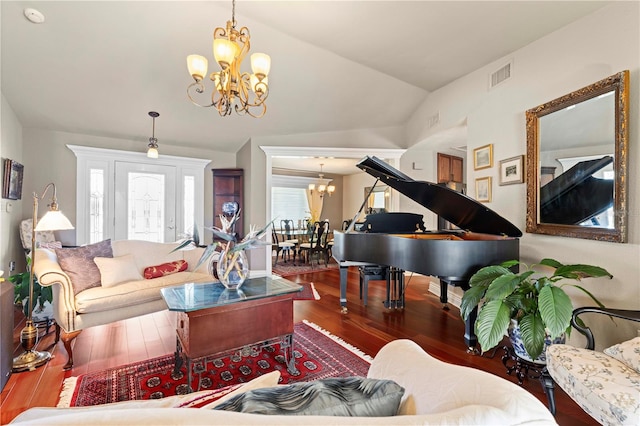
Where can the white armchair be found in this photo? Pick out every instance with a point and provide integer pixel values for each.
(605, 384)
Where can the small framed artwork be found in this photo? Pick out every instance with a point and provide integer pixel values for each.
(511, 170)
(12, 185)
(483, 157)
(483, 189)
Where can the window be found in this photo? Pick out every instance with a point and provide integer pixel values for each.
(289, 203)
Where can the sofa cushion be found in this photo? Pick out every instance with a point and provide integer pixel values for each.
(78, 264)
(165, 269)
(100, 299)
(342, 396)
(607, 389)
(627, 353)
(116, 270)
(147, 253)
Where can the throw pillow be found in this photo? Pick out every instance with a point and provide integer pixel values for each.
(50, 244)
(211, 398)
(165, 269)
(78, 264)
(627, 353)
(116, 270)
(340, 396)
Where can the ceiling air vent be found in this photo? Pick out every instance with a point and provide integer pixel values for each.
(500, 76)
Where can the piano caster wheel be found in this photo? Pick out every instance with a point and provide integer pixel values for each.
(445, 306)
(473, 350)
(343, 309)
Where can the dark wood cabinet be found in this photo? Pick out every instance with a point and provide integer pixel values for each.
(450, 168)
(228, 185)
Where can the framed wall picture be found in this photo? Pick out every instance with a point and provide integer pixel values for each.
(483, 189)
(12, 184)
(512, 170)
(483, 157)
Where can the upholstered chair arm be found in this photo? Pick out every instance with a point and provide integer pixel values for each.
(49, 273)
(586, 331)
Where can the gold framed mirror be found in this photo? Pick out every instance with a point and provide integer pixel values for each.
(577, 163)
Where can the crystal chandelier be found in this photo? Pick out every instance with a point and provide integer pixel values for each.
(322, 185)
(233, 90)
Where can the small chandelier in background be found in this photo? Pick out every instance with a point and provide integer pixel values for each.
(322, 184)
(152, 152)
(232, 88)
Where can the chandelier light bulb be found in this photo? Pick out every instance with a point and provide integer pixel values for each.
(197, 66)
(260, 64)
(225, 52)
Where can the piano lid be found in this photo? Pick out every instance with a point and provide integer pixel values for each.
(464, 212)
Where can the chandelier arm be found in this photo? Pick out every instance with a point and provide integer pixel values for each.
(199, 88)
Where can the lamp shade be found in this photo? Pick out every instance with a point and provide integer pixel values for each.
(152, 152)
(225, 51)
(53, 220)
(197, 65)
(260, 64)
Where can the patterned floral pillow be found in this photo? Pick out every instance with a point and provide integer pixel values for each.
(78, 264)
(165, 269)
(627, 353)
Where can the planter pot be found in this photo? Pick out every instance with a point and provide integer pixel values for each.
(518, 345)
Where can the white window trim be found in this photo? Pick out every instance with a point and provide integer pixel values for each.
(90, 157)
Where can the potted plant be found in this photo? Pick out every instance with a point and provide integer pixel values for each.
(21, 290)
(534, 299)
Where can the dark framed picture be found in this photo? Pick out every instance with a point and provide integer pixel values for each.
(483, 189)
(483, 157)
(512, 170)
(12, 184)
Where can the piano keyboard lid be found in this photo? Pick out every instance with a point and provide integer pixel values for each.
(457, 208)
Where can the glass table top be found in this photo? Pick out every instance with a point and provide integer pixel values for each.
(195, 296)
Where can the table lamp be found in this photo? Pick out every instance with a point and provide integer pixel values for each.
(53, 220)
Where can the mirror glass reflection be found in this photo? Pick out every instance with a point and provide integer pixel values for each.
(379, 200)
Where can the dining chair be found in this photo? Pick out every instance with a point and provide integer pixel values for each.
(318, 243)
(281, 246)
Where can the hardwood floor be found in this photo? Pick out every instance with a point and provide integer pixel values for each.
(369, 328)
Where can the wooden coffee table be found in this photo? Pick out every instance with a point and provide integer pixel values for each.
(213, 322)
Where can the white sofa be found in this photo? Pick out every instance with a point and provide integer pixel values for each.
(435, 393)
(103, 305)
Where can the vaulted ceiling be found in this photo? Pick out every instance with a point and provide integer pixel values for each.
(98, 68)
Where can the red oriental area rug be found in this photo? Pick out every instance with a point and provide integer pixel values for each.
(318, 355)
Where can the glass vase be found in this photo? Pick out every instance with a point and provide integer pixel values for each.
(233, 268)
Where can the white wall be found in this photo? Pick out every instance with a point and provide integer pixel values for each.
(11, 210)
(599, 45)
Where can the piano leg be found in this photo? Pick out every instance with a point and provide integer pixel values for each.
(444, 299)
(470, 338)
(343, 288)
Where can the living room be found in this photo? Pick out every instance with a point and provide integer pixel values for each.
(593, 47)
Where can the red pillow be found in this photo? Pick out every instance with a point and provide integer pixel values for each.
(165, 269)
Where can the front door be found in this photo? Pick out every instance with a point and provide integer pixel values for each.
(145, 202)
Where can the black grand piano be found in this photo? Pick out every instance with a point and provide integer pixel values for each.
(484, 238)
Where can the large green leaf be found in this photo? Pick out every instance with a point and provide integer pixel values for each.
(555, 309)
(532, 331)
(493, 320)
(486, 275)
(551, 262)
(470, 300)
(581, 271)
(502, 286)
